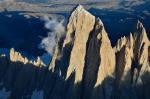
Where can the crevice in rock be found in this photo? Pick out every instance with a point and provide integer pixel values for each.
(120, 58)
(63, 63)
(92, 62)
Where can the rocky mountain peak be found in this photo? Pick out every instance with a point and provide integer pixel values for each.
(38, 62)
(80, 26)
(84, 64)
(106, 65)
(141, 34)
(88, 55)
(99, 25)
(79, 8)
(132, 56)
(17, 57)
(140, 27)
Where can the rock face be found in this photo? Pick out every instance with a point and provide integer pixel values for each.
(18, 75)
(17, 57)
(88, 53)
(84, 65)
(80, 25)
(98, 64)
(132, 59)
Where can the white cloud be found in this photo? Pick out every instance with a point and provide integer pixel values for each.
(8, 0)
(56, 31)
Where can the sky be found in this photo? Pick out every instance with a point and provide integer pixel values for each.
(112, 18)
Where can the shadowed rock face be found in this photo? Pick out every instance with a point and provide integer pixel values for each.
(84, 65)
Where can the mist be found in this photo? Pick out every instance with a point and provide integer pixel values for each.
(56, 31)
(8, 1)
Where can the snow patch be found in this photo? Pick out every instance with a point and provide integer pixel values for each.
(4, 94)
(37, 95)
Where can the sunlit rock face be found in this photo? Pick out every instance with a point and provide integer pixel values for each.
(135, 49)
(96, 68)
(80, 25)
(88, 49)
(17, 57)
(84, 65)
(103, 67)
(18, 75)
(132, 59)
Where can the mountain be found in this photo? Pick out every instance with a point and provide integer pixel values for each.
(29, 19)
(84, 65)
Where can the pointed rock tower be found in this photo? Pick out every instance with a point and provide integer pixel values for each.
(131, 60)
(85, 54)
(84, 65)
(81, 24)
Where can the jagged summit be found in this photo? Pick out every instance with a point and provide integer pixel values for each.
(84, 65)
(80, 25)
(88, 47)
(141, 30)
(79, 9)
(89, 50)
(17, 57)
(91, 58)
(140, 26)
(100, 21)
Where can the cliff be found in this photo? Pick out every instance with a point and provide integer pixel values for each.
(84, 65)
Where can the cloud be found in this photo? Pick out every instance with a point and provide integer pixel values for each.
(56, 31)
(8, 0)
